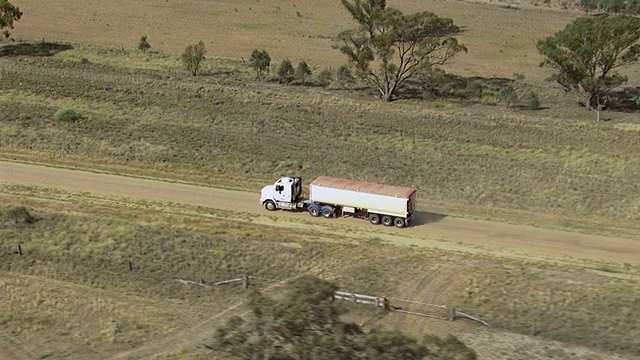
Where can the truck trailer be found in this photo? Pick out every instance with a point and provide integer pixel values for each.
(332, 197)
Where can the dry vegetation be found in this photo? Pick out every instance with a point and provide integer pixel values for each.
(545, 161)
(72, 295)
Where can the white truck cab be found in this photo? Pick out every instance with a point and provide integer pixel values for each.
(286, 193)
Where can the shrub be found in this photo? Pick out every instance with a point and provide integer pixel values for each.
(260, 62)
(143, 45)
(192, 57)
(508, 96)
(473, 90)
(302, 71)
(531, 101)
(17, 214)
(344, 76)
(285, 72)
(324, 77)
(67, 115)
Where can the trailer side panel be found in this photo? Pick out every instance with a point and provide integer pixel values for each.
(375, 198)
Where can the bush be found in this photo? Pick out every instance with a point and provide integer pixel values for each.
(531, 101)
(17, 214)
(344, 76)
(286, 72)
(302, 71)
(324, 77)
(508, 96)
(144, 45)
(260, 62)
(67, 115)
(473, 90)
(193, 56)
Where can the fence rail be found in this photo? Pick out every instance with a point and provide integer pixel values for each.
(434, 311)
(362, 299)
(441, 311)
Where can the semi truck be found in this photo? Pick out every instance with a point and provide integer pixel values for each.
(332, 197)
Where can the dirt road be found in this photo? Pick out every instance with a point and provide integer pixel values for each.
(428, 230)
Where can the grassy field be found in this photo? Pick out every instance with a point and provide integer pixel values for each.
(142, 114)
(72, 287)
(501, 39)
(153, 118)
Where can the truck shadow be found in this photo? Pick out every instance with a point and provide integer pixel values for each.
(423, 218)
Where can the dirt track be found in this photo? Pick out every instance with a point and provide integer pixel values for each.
(451, 233)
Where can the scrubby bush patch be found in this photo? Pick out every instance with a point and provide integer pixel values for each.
(16, 214)
(67, 115)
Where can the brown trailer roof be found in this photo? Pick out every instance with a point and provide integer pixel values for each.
(362, 186)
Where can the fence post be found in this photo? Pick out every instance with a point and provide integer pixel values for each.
(245, 281)
(355, 300)
(19, 250)
(452, 314)
(385, 303)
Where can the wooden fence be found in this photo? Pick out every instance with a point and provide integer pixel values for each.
(402, 306)
(408, 307)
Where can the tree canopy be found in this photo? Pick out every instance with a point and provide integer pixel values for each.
(389, 47)
(306, 324)
(586, 53)
(8, 14)
(193, 56)
(260, 62)
(365, 12)
(629, 7)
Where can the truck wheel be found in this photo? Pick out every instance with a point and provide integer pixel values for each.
(387, 221)
(327, 212)
(270, 205)
(398, 222)
(374, 219)
(314, 210)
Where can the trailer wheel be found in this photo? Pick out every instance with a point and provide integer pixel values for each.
(314, 210)
(387, 220)
(327, 211)
(270, 205)
(398, 222)
(374, 219)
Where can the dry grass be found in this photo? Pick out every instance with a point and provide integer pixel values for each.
(77, 253)
(159, 119)
(143, 115)
(298, 30)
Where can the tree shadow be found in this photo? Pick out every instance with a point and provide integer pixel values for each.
(442, 85)
(33, 49)
(625, 100)
(423, 218)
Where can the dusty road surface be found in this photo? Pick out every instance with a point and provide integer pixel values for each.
(445, 232)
